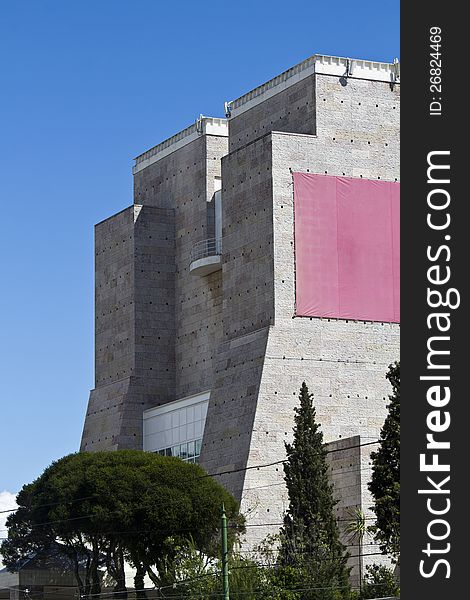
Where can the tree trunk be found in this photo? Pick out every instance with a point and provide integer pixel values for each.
(76, 572)
(115, 566)
(139, 583)
(95, 577)
(87, 590)
(120, 575)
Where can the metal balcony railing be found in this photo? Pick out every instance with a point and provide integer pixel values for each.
(205, 248)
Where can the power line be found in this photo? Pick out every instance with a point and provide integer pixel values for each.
(211, 574)
(190, 529)
(163, 531)
(262, 466)
(167, 531)
(234, 568)
(330, 360)
(217, 573)
(332, 471)
(177, 531)
(50, 504)
(279, 462)
(73, 500)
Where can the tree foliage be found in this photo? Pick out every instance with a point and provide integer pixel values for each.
(379, 582)
(385, 481)
(310, 541)
(101, 508)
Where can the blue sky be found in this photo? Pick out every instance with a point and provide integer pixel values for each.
(85, 86)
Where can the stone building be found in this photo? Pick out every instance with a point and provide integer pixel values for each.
(200, 349)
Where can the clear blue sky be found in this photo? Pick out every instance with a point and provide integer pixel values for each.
(85, 86)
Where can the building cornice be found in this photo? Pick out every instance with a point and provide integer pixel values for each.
(202, 126)
(317, 64)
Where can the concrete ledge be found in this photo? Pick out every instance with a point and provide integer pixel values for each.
(205, 266)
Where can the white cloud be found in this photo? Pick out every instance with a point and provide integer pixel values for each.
(7, 501)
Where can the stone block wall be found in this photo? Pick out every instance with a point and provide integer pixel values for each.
(134, 325)
(184, 180)
(157, 326)
(114, 297)
(248, 309)
(154, 324)
(293, 109)
(198, 299)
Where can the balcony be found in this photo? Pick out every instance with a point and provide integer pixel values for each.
(206, 257)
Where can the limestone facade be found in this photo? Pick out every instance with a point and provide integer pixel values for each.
(164, 333)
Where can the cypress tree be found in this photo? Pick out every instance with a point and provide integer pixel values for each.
(310, 537)
(385, 481)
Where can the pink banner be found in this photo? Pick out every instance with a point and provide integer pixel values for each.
(347, 248)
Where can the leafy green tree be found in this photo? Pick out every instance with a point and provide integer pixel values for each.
(247, 579)
(385, 481)
(285, 583)
(199, 577)
(357, 529)
(101, 508)
(310, 541)
(379, 582)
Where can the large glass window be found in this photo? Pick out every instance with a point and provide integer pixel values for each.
(189, 451)
(177, 428)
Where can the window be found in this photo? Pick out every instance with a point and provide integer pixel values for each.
(189, 451)
(177, 428)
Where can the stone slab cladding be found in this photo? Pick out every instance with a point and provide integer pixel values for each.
(164, 333)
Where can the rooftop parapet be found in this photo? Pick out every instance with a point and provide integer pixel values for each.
(325, 65)
(202, 126)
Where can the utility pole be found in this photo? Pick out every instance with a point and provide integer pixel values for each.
(226, 593)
